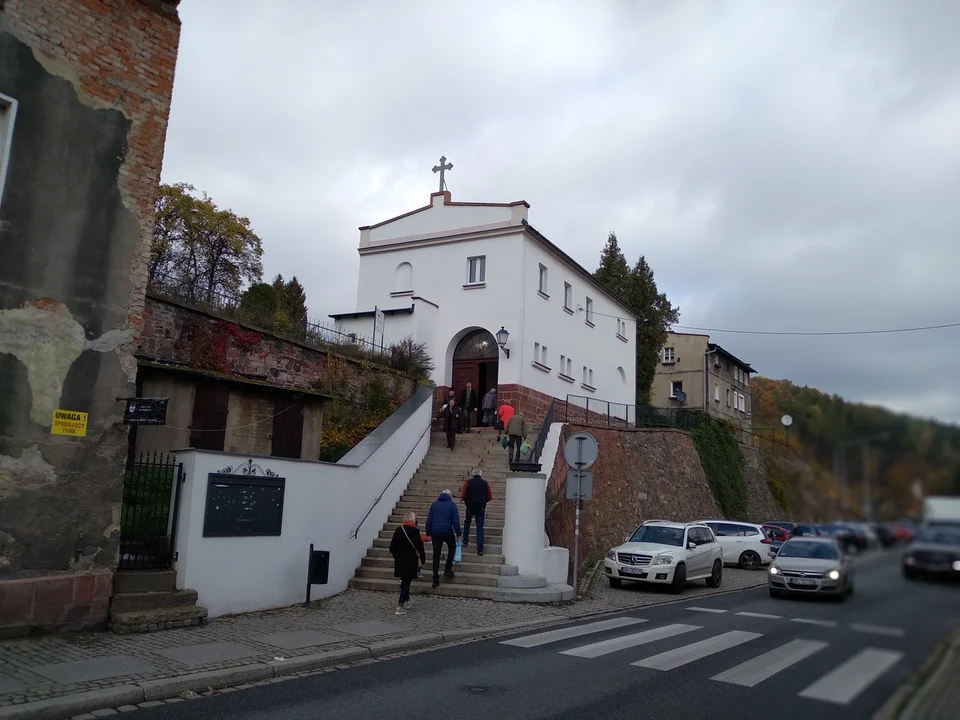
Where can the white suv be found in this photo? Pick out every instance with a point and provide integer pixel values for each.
(743, 543)
(667, 553)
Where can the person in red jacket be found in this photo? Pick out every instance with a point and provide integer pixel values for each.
(475, 493)
(503, 416)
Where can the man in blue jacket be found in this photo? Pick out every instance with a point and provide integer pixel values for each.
(443, 527)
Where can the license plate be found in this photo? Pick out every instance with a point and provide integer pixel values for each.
(633, 571)
(803, 582)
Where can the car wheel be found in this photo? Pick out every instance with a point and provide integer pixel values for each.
(775, 594)
(716, 575)
(615, 582)
(679, 579)
(749, 560)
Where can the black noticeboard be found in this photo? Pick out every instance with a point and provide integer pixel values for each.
(243, 506)
(145, 411)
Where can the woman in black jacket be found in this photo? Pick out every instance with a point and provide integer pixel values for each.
(406, 547)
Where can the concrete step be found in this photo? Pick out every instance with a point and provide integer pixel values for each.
(138, 581)
(490, 537)
(489, 528)
(462, 577)
(524, 582)
(492, 518)
(548, 594)
(471, 564)
(139, 621)
(144, 601)
(491, 549)
(495, 558)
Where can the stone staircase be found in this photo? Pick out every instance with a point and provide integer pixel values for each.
(146, 601)
(486, 576)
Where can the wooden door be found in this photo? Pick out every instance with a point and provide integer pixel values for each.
(465, 371)
(287, 426)
(210, 404)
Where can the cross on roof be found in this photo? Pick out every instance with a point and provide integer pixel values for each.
(441, 168)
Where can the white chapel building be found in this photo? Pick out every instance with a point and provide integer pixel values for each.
(459, 276)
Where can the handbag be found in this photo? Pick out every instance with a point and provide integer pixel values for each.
(458, 555)
(415, 551)
(498, 425)
(505, 442)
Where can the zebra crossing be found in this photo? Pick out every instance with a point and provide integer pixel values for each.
(840, 685)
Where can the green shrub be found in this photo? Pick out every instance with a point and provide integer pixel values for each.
(722, 463)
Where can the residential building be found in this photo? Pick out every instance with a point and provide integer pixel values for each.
(696, 373)
(496, 303)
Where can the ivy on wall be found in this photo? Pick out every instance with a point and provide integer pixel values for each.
(722, 463)
(349, 419)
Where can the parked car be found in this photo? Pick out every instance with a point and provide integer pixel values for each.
(810, 566)
(667, 553)
(743, 544)
(846, 538)
(775, 532)
(796, 529)
(934, 552)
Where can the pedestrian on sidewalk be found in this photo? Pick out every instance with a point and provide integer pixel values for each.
(517, 432)
(443, 528)
(503, 417)
(406, 546)
(489, 406)
(450, 422)
(469, 403)
(475, 493)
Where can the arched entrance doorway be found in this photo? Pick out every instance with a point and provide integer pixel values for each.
(475, 360)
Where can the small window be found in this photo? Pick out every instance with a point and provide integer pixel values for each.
(676, 386)
(8, 115)
(544, 356)
(716, 392)
(403, 280)
(623, 375)
(669, 355)
(746, 378)
(621, 328)
(743, 402)
(568, 296)
(728, 397)
(543, 279)
(536, 352)
(590, 311)
(584, 374)
(590, 376)
(476, 270)
(563, 363)
(569, 367)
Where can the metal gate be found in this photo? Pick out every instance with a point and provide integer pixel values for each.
(148, 520)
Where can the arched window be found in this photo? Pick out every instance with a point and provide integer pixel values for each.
(478, 345)
(622, 374)
(403, 281)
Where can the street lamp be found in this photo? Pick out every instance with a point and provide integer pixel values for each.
(502, 337)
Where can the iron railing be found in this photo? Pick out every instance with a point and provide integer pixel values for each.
(590, 411)
(148, 519)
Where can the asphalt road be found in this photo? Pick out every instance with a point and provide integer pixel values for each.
(727, 657)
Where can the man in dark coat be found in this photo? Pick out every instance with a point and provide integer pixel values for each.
(450, 418)
(443, 528)
(406, 546)
(475, 493)
(469, 404)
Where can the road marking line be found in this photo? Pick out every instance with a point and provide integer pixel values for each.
(877, 629)
(755, 671)
(695, 651)
(766, 616)
(605, 647)
(846, 682)
(811, 621)
(550, 636)
(705, 610)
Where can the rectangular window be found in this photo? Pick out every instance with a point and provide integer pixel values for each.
(569, 367)
(563, 363)
(568, 296)
(543, 279)
(669, 356)
(746, 378)
(728, 397)
(743, 403)
(716, 392)
(676, 386)
(584, 375)
(621, 328)
(476, 270)
(543, 355)
(8, 114)
(590, 311)
(540, 354)
(590, 378)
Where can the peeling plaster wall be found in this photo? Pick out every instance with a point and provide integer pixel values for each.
(93, 82)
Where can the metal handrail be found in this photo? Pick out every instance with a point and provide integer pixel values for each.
(383, 492)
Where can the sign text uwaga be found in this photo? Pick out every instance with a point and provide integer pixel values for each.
(69, 422)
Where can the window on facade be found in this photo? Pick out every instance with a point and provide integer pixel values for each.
(676, 386)
(716, 392)
(590, 311)
(584, 375)
(568, 296)
(476, 270)
(746, 378)
(728, 397)
(8, 113)
(669, 355)
(621, 327)
(569, 367)
(543, 279)
(544, 356)
(623, 375)
(563, 363)
(743, 402)
(403, 281)
(540, 353)
(590, 377)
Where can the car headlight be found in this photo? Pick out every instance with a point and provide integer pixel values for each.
(956, 565)
(834, 574)
(663, 560)
(909, 560)
(774, 570)
(611, 554)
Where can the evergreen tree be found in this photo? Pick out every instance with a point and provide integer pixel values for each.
(637, 288)
(290, 317)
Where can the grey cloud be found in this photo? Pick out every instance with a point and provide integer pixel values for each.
(781, 165)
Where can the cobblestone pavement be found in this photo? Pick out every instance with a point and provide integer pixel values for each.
(22, 661)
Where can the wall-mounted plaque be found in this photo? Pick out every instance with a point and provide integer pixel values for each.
(243, 506)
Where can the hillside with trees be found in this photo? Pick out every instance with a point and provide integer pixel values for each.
(828, 433)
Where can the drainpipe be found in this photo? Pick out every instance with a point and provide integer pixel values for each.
(706, 379)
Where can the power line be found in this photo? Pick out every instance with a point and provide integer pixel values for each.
(886, 331)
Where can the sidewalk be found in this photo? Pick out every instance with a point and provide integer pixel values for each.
(60, 676)
(938, 694)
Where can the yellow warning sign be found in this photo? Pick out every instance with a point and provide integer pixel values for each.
(69, 422)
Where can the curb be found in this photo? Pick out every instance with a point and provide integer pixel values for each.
(909, 697)
(153, 693)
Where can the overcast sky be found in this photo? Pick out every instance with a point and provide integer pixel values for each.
(787, 166)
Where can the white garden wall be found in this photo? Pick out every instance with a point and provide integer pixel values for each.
(323, 504)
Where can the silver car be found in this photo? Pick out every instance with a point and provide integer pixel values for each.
(810, 566)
